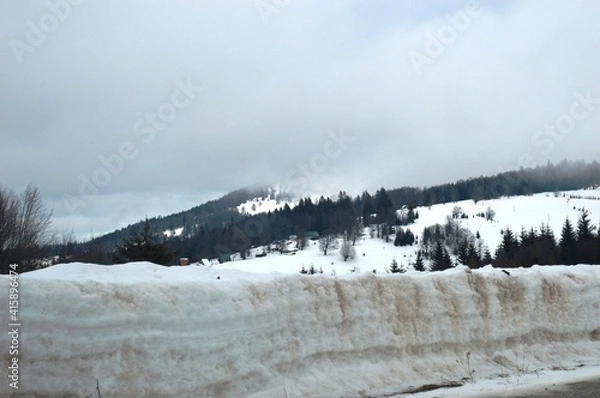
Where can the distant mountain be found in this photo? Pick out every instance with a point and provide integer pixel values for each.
(567, 175)
(212, 213)
(213, 223)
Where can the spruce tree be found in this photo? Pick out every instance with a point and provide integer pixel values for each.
(585, 229)
(399, 237)
(546, 250)
(597, 255)
(419, 263)
(441, 259)
(585, 239)
(446, 259)
(394, 268)
(487, 257)
(384, 207)
(142, 246)
(567, 244)
(473, 258)
(505, 254)
(368, 207)
(463, 253)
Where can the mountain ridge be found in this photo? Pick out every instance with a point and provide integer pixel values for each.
(225, 211)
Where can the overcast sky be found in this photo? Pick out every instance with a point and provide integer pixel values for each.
(120, 109)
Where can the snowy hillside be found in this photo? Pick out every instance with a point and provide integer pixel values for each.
(374, 254)
(516, 212)
(144, 330)
(272, 198)
(176, 232)
(261, 205)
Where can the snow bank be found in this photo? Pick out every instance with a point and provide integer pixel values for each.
(144, 330)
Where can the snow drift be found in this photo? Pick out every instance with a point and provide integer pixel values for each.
(144, 330)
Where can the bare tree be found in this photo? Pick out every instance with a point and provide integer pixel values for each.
(356, 231)
(24, 222)
(327, 243)
(9, 211)
(65, 242)
(347, 251)
(280, 245)
(301, 241)
(457, 212)
(490, 214)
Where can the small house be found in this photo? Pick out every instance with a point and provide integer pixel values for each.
(312, 235)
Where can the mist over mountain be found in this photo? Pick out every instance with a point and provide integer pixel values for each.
(200, 231)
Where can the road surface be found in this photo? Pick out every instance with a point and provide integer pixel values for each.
(580, 389)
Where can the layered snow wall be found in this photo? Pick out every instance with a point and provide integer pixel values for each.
(144, 330)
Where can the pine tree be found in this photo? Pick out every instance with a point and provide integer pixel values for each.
(441, 259)
(597, 255)
(568, 244)
(394, 268)
(446, 259)
(546, 250)
(368, 207)
(505, 254)
(585, 230)
(487, 257)
(419, 263)
(473, 259)
(384, 207)
(399, 237)
(585, 238)
(141, 246)
(404, 237)
(463, 253)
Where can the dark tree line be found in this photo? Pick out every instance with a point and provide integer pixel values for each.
(326, 216)
(342, 216)
(550, 178)
(576, 245)
(404, 237)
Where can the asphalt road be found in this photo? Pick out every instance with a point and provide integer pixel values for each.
(580, 389)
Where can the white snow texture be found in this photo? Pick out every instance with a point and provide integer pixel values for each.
(143, 330)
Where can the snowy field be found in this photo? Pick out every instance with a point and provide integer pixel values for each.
(517, 212)
(374, 254)
(146, 330)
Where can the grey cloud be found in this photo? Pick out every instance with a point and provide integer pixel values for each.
(272, 92)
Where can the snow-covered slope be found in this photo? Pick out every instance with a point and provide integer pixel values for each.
(176, 232)
(143, 330)
(274, 198)
(516, 212)
(262, 205)
(374, 254)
